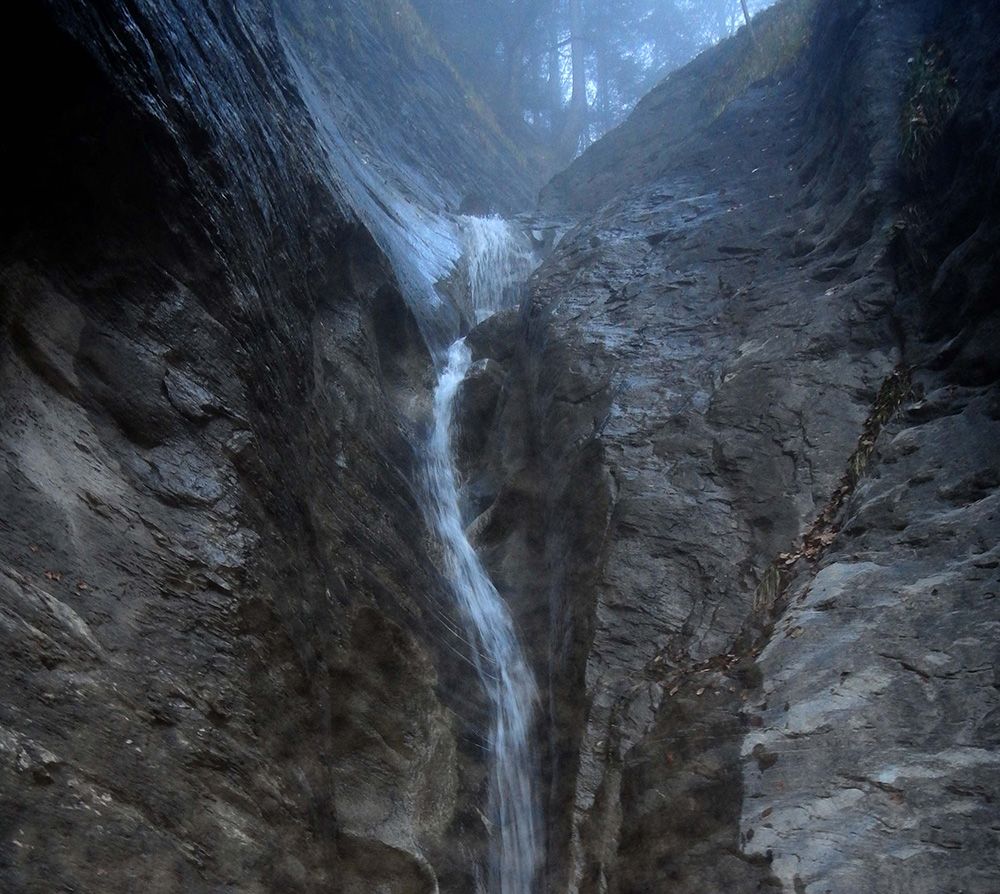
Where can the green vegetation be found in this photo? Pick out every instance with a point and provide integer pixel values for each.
(930, 100)
(894, 391)
(410, 48)
(780, 35)
(399, 19)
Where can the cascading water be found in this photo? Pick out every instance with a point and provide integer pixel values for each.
(495, 260)
(497, 264)
(424, 246)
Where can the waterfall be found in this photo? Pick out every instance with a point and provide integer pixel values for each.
(424, 245)
(497, 264)
(494, 262)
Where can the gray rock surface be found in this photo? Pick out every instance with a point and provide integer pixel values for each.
(229, 657)
(733, 463)
(879, 702)
(762, 672)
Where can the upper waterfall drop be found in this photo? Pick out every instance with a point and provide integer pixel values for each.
(425, 243)
(498, 261)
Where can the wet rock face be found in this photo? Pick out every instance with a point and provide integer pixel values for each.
(879, 700)
(228, 653)
(757, 586)
(759, 589)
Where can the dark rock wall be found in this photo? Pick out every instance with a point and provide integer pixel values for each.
(749, 428)
(733, 463)
(229, 659)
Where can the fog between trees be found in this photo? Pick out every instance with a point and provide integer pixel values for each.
(562, 72)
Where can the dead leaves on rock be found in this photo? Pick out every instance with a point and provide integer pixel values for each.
(56, 577)
(770, 592)
(768, 596)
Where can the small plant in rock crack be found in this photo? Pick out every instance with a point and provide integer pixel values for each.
(930, 100)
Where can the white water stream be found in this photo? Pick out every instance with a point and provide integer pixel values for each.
(497, 263)
(425, 245)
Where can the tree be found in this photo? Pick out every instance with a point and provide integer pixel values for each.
(562, 72)
(576, 120)
(746, 15)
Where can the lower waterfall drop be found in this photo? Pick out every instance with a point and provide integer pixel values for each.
(503, 670)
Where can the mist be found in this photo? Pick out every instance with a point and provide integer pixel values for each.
(561, 73)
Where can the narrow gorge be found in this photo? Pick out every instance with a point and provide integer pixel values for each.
(394, 504)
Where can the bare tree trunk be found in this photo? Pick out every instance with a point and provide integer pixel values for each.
(524, 16)
(555, 82)
(579, 62)
(746, 15)
(603, 87)
(577, 118)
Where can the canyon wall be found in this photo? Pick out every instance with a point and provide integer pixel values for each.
(740, 479)
(230, 652)
(733, 463)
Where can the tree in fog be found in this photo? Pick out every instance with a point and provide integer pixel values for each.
(565, 71)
